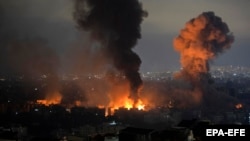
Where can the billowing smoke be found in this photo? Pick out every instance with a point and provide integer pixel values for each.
(115, 26)
(202, 39)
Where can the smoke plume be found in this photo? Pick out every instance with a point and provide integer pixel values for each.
(202, 39)
(115, 25)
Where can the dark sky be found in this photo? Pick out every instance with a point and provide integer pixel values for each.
(52, 21)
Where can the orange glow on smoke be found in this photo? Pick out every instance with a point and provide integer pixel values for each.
(77, 103)
(202, 39)
(54, 98)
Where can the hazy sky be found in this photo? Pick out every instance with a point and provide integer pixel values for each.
(52, 20)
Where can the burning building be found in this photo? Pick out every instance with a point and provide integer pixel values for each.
(113, 28)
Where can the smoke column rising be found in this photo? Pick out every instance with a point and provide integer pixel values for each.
(115, 24)
(202, 39)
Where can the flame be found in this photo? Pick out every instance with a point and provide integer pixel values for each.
(119, 97)
(123, 102)
(140, 105)
(127, 104)
(54, 98)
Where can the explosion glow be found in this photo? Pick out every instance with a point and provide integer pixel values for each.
(202, 39)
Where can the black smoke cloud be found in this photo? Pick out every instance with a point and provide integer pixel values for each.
(115, 24)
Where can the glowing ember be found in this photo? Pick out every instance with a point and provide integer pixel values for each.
(238, 106)
(101, 106)
(77, 102)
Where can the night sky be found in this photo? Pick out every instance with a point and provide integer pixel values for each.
(52, 21)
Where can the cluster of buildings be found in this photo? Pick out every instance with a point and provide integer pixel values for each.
(26, 120)
(217, 72)
(55, 122)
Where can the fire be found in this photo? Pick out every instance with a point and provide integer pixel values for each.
(120, 97)
(54, 98)
(77, 102)
(123, 102)
(127, 104)
(48, 102)
(140, 105)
